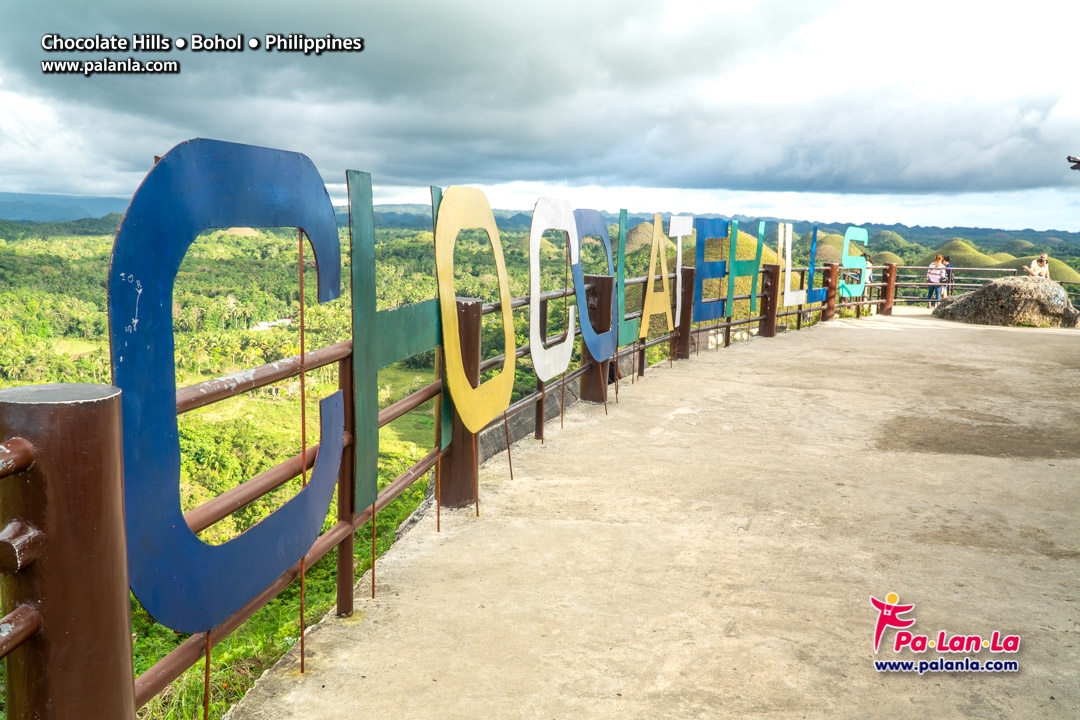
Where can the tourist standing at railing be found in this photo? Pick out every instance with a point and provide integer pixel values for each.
(869, 275)
(948, 277)
(1040, 267)
(935, 275)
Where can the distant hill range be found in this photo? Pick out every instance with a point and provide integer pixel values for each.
(24, 214)
(419, 217)
(24, 207)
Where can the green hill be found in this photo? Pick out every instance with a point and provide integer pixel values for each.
(745, 249)
(997, 239)
(962, 254)
(833, 240)
(1016, 246)
(639, 236)
(827, 254)
(887, 237)
(888, 241)
(882, 258)
(830, 248)
(1058, 270)
(1003, 256)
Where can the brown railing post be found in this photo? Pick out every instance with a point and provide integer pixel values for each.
(832, 280)
(540, 409)
(802, 286)
(770, 300)
(686, 320)
(592, 386)
(346, 549)
(459, 465)
(79, 664)
(890, 289)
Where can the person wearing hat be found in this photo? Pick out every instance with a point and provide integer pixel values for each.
(1040, 267)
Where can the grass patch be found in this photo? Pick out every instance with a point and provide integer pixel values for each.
(74, 348)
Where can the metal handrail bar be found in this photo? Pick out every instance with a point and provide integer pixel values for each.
(19, 625)
(211, 391)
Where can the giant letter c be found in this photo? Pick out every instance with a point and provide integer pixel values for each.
(184, 583)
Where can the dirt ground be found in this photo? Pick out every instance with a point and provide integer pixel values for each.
(709, 548)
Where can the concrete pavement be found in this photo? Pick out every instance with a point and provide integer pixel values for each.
(709, 548)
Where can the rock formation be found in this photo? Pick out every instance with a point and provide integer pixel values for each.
(1027, 301)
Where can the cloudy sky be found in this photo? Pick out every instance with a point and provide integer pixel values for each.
(921, 112)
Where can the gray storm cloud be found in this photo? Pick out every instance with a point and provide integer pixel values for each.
(602, 92)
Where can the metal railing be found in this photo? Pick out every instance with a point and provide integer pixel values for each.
(913, 287)
(21, 460)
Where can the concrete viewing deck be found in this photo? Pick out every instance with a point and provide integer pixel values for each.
(709, 548)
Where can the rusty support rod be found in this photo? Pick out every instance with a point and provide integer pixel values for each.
(374, 552)
(509, 457)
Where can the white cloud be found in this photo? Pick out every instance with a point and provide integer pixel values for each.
(828, 98)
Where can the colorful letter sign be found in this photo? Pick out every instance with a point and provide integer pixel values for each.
(745, 268)
(854, 262)
(627, 329)
(184, 583)
(549, 361)
(679, 226)
(462, 208)
(792, 296)
(601, 345)
(707, 228)
(813, 295)
(656, 303)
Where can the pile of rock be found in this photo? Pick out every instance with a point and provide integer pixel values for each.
(1026, 301)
